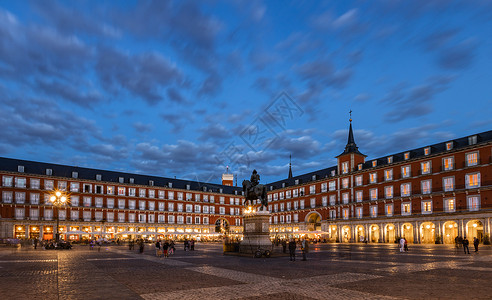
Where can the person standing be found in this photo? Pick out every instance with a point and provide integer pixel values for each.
(192, 245)
(35, 243)
(304, 248)
(165, 248)
(402, 244)
(171, 247)
(475, 244)
(405, 247)
(158, 248)
(292, 250)
(284, 246)
(465, 245)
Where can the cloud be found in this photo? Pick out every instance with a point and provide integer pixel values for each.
(214, 131)
(69, 93)
(323, 72)
(174, 119)
(141, 127)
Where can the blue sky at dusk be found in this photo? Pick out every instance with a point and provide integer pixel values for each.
(184, 88)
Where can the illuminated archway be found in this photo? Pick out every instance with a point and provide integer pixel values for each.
(450, 232)
(345, 234)
(390, 233)
(427, 233)
(359, 234)
(374, 233)
(474, 228)
(407, 232)
(313, 221)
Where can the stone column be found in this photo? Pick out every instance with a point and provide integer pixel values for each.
(381, 234)
(366, 229)
(26, 225)
(416, 233)
(398, 230)
(440, 232)
(41, 230)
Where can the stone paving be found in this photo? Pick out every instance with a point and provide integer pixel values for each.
(339, 271)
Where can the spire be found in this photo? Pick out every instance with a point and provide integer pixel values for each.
(290, 166)
(351, 147)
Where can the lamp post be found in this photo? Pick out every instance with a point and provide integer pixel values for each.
(58, 199)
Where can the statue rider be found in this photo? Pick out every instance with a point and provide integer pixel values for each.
(255, 178)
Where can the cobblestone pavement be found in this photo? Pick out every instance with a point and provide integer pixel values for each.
(339, 271)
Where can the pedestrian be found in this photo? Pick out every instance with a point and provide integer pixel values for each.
(406, 246)
(284, 246)
(292, 250)
(141, 244)
(165, 248)
(456, 242)
(185, 244)
(460, 241)
(475, 243)
(304, 248)
(35, 244)
(465, 245)
(158, 248)
(402, 244)
(192, 244)
(171, 248)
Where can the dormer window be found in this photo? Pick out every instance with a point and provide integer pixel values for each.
(220, 190)
(314, 177)
(472, 140)
(235, 192)
(283, 184)
(332, 172)
(121, 179)
(132, 180)
(271, 188)
(151, 182)
(297, 181)
(427, 151)
(75, 174)
(170, 184)
(20, 169)
(359, 167)
(345, 167)
(390, 159)
(187, 186)
(98, 177)
(49, 172)
(374, 163)
(406, 156)
(449, 146)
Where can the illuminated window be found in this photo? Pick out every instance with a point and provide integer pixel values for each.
(405, 172)
(388, 192)
(345, 213)
(358, 212)
(425, 167)
(426, 207)
(427, 151)
(426, 186)
(406, 209)
(390, 159)
(358, 196)
(448, 183)
(345, 167)
(472, 159)
(359, 167)
(345, 183)
(449, 146)
(448, 163)
(121, 191)
(406, 156)
(389, 210)
(449, 205)
(374, 163)
(345, 198)
(473, 203)
(373, 177)
(358, 180)
(405, 189)
(374, 194)
(472, 180)
(374, 211)
(388, 174)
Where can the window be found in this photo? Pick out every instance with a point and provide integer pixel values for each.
(74, 215)
(142, 218)
(34, 213)
(141, 205)
(448, 183)
(473, 203)
(359, 167)
(110, 203)
(170, 206)
(132, 180)
(358, 212)
(35, 183)
(222, 210)
(197, 197)
(142, 193)
(110, 216)
(87, 215)
(99, 202)
(296, 205)
(131, 218)
(374, 211)
(275, 197)
(180, 196)
(333, 214)
(472, 159)
(170, 219)
(358, 180)
(180, 207)
(98, 216)
(87, 201)
(189, 208)
(345, 183)
(388, 192)
(131, 192)
(296, 218)
(49, 172)
(427, 207)
(75, 174)
(121, 191)
(427, 151)
(472, 180)
(406, 156)
(288, 194)
(374, 163)
(405, 190)
(390, 159)
(345, 167)
(425, 167)
(19, 213)
(74, 201)
(426, 186)
(301, 191)
(205, 220)
(358, 196)
(170, 195)
(388, 174)
(389, 208)
(98, 177)
(405, 172)
(333, 199)
(74, 187)
(324, 187)
(312, 189)
(332, 173)
(324, 202)
(294, 193)
(161, 206)
(302, 204)
(331, 185)
(448, 163)
(345, 198)
(373, 194)
(373, 177)
(472, 140)
(313, 204)
(48, 184)
(161, 194)
(406, 209)
(20, 197)
(151, 193)
(197, 220)
(449, 205)
(345, 213)
(151, 205)
(99, 189)
(48, 214)
(20, 182)
(35, 198)
(189, 196)
(131, 204)
(275, 208)
(110, 190)
(449, 146)
(121, 217)
(121, 203)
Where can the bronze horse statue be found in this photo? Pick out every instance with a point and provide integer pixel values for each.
(258, 191)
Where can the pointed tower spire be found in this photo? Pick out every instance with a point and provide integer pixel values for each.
(351, 147)
(290, 166)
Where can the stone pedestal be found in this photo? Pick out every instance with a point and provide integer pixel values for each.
(256, 232)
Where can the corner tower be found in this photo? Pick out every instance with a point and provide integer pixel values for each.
(227, 179)
(350, 157)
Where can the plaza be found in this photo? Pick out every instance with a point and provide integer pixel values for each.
(338, 271)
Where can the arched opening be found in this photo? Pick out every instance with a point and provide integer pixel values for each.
(390, 233)
(474, 228)
(360, 234)
(345, 234)
(221, 226)
(374, 233)
(427, 233)
(313, 221)
(407, 232)
(450, 232)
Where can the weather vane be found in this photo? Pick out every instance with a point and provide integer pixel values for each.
(350, 112)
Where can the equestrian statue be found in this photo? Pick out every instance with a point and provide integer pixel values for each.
(255, 191)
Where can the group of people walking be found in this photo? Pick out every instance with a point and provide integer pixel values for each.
(165, 248)
(459, 241)
(292, 248)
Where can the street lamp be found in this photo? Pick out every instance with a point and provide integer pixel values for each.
(58, 199)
